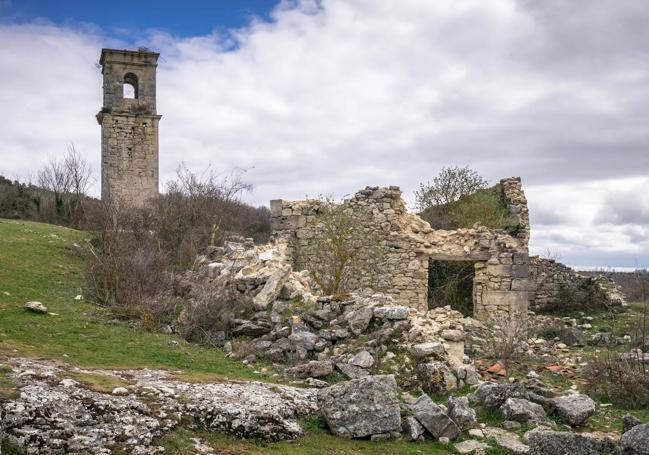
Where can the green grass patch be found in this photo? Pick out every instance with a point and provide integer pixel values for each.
(40, 262)
(317, 441)
(7, 389)
(102, 383)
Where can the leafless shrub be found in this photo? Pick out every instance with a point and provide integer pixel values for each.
(506, 337)
(623, 378)
(136, 252)
(341, 249)
(619, 379)
(126, 264)
(208, 312)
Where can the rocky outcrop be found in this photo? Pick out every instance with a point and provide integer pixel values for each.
(58, 415)
(361, 407)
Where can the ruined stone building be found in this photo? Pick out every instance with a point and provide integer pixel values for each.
(505, 279)
(129, 126)
(407, 244)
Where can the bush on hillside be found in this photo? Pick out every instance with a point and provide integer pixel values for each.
(136, 252)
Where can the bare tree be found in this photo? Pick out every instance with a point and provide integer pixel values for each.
(341, 250)
(54, 177)
(79, 175)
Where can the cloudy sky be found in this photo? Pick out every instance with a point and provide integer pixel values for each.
(326, 97)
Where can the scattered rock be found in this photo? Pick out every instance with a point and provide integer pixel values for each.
(572, 336)
(436, 377)
(352, 371)
(361, 407)
(492, 396)
(391, 312)
(470, 446)
(273, 287)
(628, 422)
(461, 413)
(506, 440)
(36, 307)
(312, 369)
(453, 335)
(413, 430)
(432, 348)
(476, 433)
(433, 418)
(363, 360)
(635, 441)
(358, 320)
(574, 409)
(244, 327)
(522, 410)
(120, 391)
(545, 442)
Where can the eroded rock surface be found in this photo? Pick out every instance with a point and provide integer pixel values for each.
(361, 407)
(57, 415)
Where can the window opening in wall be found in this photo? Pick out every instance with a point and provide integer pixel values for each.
(451, 283)
(130, 86)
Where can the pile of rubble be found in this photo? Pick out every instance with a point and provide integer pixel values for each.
(312, 337)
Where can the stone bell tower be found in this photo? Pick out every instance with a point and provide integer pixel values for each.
(129, 126)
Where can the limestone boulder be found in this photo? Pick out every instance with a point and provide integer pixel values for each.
(461, 413)
(574, 409)
(436, 377)
(359, 319)
(273, 287)
(522, 410)
(572, 336)
(361, 407)
(628, 422)
(492, 396)
(392, 312)
(312, 369)
(635, 441)
(471, 446)
(35, 307)
(434, 419)
(363, 360)
(429, 349)
(546, 442)
(352, 371)
(412, 429)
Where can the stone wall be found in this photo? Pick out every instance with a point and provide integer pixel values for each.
(129, 127)
(406, 243)
(556, 285)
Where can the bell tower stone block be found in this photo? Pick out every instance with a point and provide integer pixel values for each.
(129, 126)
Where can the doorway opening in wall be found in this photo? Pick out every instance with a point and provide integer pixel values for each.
(451, 283)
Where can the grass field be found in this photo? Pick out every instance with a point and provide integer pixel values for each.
(40, 262)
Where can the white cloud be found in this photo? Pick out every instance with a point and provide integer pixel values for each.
(332, 96)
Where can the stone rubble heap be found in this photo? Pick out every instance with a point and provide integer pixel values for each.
(312, 336)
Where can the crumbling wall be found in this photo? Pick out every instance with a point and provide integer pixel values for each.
(556, 286)
(406, 243)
